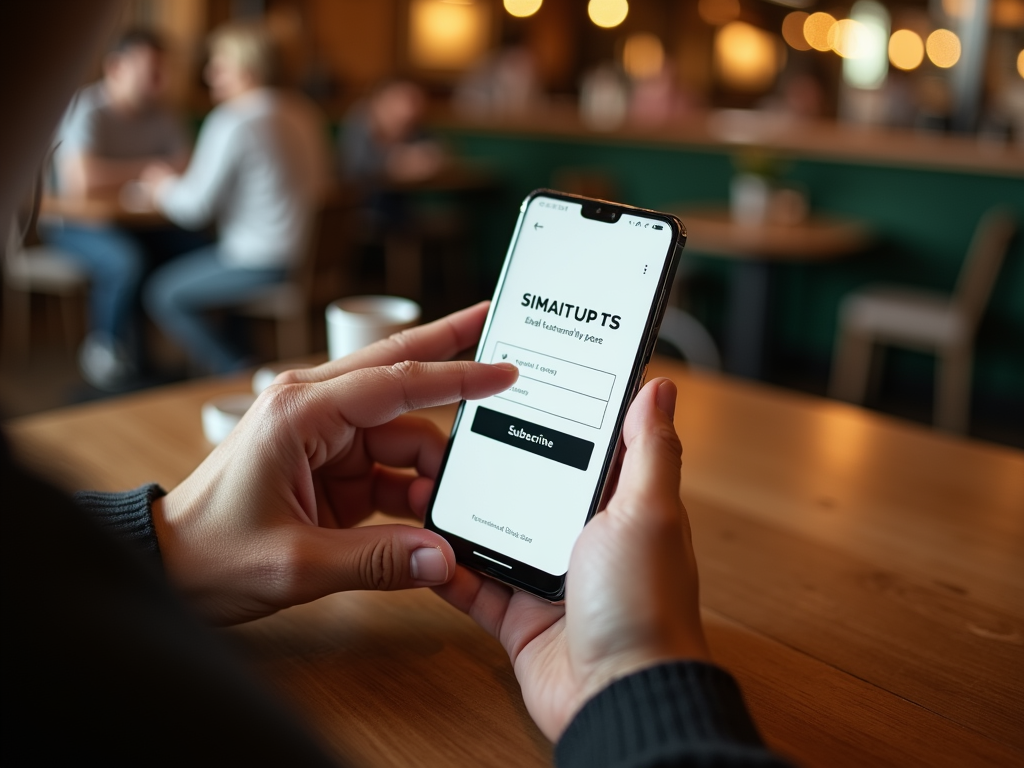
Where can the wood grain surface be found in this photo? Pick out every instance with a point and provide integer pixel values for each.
(862, 577)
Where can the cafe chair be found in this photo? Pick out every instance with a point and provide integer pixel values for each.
(933, 322)
(311, 282)
(686, 335)
(38, 269)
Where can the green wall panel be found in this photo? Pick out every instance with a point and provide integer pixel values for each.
(922, 219)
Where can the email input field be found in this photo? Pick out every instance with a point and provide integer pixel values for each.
(556, 386)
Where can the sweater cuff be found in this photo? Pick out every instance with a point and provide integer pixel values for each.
(670, 714)
(128, 515)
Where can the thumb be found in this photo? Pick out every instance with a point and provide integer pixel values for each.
(380, 557)
(649, 478)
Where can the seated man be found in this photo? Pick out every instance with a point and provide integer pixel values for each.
(259, 171)
(112, 130)
(383, 145)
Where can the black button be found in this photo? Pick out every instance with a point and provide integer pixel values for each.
(519, 433)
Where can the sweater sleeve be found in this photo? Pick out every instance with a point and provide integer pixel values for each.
(127, 515)
(677, 714)
(193, 199)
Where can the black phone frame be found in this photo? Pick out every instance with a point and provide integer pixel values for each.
(517, 574)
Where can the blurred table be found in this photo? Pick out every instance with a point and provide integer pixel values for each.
(861, 577)
(756, 250)
(107, 210)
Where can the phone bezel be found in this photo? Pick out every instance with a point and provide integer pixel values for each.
(520, 575)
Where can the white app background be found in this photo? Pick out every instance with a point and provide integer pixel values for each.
(573, 378)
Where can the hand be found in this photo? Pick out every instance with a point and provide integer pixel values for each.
(411, 163)
(154, 174)
(266, 521)
(631, 599)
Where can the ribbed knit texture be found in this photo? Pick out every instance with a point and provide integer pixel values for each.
(128, 515)
(677, 714)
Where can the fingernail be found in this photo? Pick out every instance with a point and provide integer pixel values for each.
(666, 398)
(429, 565)
(506, 367)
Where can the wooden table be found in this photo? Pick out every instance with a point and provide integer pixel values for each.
(757, 249)
(861, 576)
(97, 211)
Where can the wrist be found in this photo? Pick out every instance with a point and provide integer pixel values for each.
(615, 666)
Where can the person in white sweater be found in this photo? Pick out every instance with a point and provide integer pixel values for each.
(260, 167)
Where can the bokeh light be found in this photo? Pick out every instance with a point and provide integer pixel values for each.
(643, 55)
(943, 48)
(522, 8)
(447, 36)
(848, 38)
(1008, 14)
(1020, 63)
(607, 13)
(864, 47)
(816, 29)
(906, 49)
(718, 12)
(793, 30)
(746, 58)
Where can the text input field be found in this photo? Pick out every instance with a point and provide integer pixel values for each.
(556, 386)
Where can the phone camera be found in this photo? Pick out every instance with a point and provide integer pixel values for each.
(606, 213)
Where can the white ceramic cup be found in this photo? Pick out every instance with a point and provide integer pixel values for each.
(221, 414)
(358, 321)
(265, 376)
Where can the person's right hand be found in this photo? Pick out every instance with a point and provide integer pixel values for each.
(631, 600)
(270, 518)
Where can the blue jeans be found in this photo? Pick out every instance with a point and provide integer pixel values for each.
(179, 294)
(117, 261)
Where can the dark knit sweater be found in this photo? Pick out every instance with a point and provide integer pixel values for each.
(108, 668)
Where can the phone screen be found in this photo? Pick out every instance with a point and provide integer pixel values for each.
(524, 466)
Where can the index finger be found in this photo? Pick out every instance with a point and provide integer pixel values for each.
(372, 396)
(439, 340)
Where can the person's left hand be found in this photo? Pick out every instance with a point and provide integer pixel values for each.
(266, 521)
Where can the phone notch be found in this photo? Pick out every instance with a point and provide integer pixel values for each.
(598, 210)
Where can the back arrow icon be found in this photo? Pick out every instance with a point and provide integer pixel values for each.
(538, 225)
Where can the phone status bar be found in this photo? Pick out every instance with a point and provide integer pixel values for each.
(637, 222)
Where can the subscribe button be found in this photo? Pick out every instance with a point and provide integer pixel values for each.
(533, 438)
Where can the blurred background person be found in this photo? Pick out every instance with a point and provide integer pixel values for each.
(259, 170)
(113, 129)
(384, 139)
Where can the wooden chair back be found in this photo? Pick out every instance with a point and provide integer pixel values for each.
(984, 258)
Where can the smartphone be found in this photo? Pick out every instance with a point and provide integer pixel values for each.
(577, 309)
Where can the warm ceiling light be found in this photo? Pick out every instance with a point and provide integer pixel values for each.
(746, 58)
(643, 55)
(847, 38)
(943, 48)
(906, 49)
(1008, 14)
(607, 13)
(865, 48)
(718, 12)
(793, 30)
(448, 35)
(522, 8)
(816, 29)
